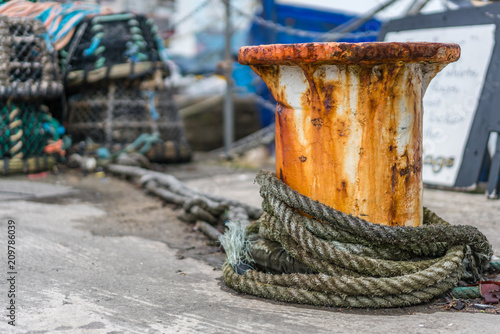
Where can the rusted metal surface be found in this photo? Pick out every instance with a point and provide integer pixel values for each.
(349, 121)
(349, 53)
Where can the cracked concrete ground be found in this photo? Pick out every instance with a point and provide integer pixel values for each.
(99, 256)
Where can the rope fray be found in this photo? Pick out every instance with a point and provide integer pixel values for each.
(349, 262)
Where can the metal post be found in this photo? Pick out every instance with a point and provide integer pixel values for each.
(228, 100)
(354, 149)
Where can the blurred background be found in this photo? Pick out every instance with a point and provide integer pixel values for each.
(194, 31)
(163, 75)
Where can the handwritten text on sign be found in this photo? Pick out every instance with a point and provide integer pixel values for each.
(452, 97)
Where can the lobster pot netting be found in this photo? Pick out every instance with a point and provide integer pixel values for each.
(111, 47)
(25, 129)
(28, 69)
(29, 81)
(115, 113)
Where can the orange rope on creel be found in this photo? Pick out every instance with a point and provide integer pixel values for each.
(55, 148)
(65, 40)
(24, 8)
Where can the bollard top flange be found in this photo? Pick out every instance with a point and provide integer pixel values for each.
(349, 53)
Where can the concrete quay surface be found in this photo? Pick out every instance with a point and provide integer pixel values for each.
(99, 256)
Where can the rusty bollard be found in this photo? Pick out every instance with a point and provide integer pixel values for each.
(349, 121)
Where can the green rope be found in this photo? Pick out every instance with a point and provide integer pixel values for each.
(141, 145)
(348, 261)
(466, 292)
(472, 291)
(495, 266)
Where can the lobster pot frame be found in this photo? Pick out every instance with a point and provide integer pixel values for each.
(25, 130)
(114, 113)
(29, 81)
(110, 47)
(28, 65)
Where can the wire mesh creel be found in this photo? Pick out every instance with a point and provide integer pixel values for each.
(27, 68)
(114, 46)
(115, 113)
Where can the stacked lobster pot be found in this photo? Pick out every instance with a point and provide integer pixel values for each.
(30, 85)
(115, 84)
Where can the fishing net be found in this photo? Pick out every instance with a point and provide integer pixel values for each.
(120, 55)
(110, 47)
(29, 82)
(26, 130)
(58, 19)
(114, 113)
(27, 68)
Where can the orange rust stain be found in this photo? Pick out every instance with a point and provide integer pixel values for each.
(317, 122)
(383, 180)
(383, 168)
(323, 177)
(349, 53)
(271, 76)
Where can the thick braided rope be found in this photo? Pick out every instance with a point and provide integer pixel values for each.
(303, 296)
(434, 230)
(290, 225)
(360, 247)
(356, 263)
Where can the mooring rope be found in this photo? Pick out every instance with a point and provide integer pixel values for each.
(196, 205)
(351, 262)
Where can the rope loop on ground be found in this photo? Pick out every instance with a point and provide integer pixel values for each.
(329, 258)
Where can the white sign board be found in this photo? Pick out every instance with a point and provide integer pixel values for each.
(452, 97)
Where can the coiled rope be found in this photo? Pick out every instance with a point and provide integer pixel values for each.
(349, 262)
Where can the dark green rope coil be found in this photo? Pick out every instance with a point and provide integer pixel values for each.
(334, 259)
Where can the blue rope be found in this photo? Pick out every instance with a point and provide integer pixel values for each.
(93, 46)
(161, 48)
(54, 128)
(68, 12)
(48, 43)
(151, 104)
